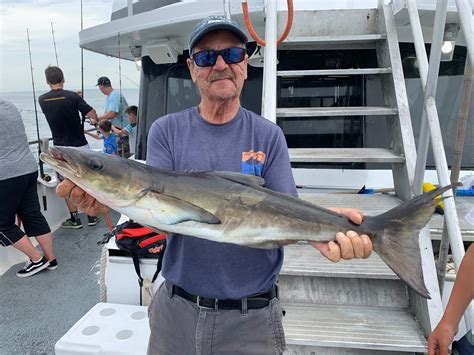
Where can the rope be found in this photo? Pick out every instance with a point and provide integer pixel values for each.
(147, 291)
(109, 222)
(102, 269)
(103, 264)
(252, 32)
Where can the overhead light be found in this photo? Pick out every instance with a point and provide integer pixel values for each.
(451, 31)
(447, 47)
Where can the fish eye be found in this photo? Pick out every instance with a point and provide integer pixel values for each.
(95, 164)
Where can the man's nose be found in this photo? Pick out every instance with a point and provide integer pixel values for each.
(220, 63)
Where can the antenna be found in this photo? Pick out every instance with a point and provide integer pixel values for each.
(54, 42)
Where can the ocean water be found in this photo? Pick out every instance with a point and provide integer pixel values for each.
(26, 104)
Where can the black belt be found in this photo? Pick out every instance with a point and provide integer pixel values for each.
(260, 300)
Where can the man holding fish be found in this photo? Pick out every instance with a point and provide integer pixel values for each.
(222, 297)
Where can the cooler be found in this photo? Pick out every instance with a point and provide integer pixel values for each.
(108, 329)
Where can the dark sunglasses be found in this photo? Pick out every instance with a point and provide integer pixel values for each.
(208, 57)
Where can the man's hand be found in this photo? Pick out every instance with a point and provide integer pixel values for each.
(80, 198)
(441, 338)
(347, 246)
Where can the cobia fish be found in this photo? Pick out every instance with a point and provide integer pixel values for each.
(235, 208)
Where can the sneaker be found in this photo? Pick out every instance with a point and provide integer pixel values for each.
(69, 223)
(92, 221)
(53, 264)
(32, 267)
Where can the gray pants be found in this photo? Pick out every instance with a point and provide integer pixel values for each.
(180, 327)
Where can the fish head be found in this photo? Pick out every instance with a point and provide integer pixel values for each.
(106, 177)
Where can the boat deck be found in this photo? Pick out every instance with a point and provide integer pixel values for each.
(37, 311)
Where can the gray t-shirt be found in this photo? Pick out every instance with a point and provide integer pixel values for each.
(16, 158)
(250, 144)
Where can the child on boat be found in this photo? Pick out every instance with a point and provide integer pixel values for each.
(129, 130)
(109, 139)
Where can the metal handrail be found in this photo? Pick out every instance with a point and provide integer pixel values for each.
(51, 138)
(430, 123)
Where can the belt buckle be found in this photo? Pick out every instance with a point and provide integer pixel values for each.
(216, 304)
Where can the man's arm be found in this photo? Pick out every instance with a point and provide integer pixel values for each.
(107, 116)
(96, 136)
(461, 295)
(92, 116)
(118, 130)
(80, 198)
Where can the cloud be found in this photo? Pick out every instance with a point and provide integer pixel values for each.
(18, 15)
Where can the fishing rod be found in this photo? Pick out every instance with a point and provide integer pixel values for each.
(42, 174)
(120, 94)
(82, 73)
(54, 43)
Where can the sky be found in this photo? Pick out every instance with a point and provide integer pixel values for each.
(16, 16)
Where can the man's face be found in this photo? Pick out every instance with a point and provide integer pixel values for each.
(221, 81)
(102, 89)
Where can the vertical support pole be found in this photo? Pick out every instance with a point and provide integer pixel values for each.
(270, 62)
(129, 8)
(465, 15)
(429, 88)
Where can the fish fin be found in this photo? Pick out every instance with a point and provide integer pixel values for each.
(396, 237)
(244, 179)
(171, 210)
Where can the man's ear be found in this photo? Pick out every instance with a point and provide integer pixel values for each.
(190, 64)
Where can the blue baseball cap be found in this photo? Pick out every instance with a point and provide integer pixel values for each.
(213, 23)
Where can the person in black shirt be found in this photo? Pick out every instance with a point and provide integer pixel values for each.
(61, 108)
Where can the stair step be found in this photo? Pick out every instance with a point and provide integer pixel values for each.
(374, 328)
(303, 259)
(339, 39)
(335, 111)
(308, 277)
(370, 205)
(343, 155)
(365, 71)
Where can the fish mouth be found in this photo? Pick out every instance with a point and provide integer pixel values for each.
(61, 162)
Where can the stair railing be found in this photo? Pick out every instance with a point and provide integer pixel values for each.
(430, 124)
(270, 62)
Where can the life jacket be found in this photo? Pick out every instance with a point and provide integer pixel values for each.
(140, 242)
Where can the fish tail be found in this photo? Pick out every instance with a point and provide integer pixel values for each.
(396, 236)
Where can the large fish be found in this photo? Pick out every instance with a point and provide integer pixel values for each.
(236, 208)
